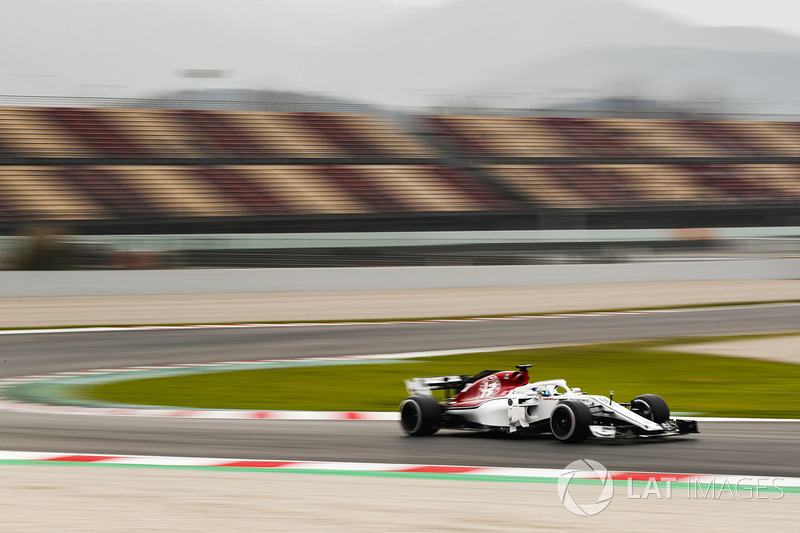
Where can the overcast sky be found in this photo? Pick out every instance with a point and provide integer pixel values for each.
(89, 47)
(779, 14)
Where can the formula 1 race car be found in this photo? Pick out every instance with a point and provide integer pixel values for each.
(507, 401)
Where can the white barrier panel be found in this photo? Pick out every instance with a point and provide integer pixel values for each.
(119, 282)
(292, 241)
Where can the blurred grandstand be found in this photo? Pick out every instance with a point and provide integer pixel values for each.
(175, 167)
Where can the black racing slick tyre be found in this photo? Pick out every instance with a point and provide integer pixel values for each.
(570, 421)
(420, 415)
(652, 407)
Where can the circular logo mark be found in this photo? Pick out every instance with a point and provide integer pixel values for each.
(489, 386)
(585, 469)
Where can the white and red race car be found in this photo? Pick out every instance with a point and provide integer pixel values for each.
(507, 401)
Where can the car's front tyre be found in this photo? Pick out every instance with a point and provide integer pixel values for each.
(652, 407)
(420, 415)
(570, 421)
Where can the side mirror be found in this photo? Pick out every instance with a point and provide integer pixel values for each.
(576, 389)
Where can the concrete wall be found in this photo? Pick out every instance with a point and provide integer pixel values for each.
(126, 282)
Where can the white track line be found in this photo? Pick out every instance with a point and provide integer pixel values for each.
(542, 474)
(325, 324)
(596, 314)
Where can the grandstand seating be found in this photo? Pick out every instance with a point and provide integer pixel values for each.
(32, 132)
(587, 137)
(599, 186)
(177, 190)
(39, 193)
(136, 133)
(144, 164)
(126, 191)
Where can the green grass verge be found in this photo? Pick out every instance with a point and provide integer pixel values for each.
(417, 319)
(721, 386)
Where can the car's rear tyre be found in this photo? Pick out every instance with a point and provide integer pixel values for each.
(420, 415)
(652, 407)
(570, 421)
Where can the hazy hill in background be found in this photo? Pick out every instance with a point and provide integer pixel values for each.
(487, 52)
(479, 49)
(745, 82)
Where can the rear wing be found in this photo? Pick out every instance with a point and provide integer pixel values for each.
(424, 386)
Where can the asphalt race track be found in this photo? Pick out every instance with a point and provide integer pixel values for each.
(752, 448)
